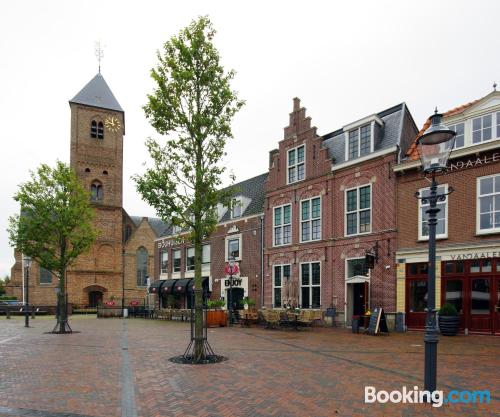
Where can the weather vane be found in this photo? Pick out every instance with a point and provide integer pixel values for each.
(99, 53)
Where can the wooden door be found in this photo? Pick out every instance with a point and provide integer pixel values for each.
(496, 313)
(481, 305)
(453, 291)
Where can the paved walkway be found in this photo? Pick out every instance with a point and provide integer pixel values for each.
(120, 368)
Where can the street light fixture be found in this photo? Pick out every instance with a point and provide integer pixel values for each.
(27, 265)
(231, 262)
(434, 148)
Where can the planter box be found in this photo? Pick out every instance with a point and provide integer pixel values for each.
(448, 325)
(216, 318)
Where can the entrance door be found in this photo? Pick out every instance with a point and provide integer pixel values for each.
(453, 292)
(360, 298)
(497, 306)
(236, 296)
(95, 298)
(481, 304)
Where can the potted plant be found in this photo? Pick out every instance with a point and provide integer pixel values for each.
(247, 303)
(449, 320)
(215, 315)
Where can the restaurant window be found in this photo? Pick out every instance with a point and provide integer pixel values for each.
(481, 265)
(190, 259)
(310, 219)
(455, 267)
(454, 293)
(45, 276)
(282, 225)
(488, 194)
(358, 210)
(480, 296)
(310, 285)
(459, 138)
(142, 267)
(418, 296)
(442, 215)
(177, 260)
(164, 261)
(296, 164)
(418, 268)
(281, 273)
(205, 254)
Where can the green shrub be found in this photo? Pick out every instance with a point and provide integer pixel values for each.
(249, 301)
(215, 303)
(448, 309)
(8, 297)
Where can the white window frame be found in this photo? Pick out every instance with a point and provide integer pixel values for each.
(282, 225)
(454, 128)
(233, 237)
(237, 202)
(296, 165)
(438, 236)
(174, 251)
(358, 210)
(310, 220)
(480, 231)
(281, 266)
(163, 252)
(190, 249)
(40, 271)
(494, 122)
(209, 249)
(310, 286)
(358, 129)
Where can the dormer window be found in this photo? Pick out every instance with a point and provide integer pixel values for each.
(460, 137)
(482, 128)
(93, 129)
(360, 142)
(100, 130)
(296, 164)
(96, 191)
(236, 208)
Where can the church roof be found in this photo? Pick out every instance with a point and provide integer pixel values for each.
(156, 224)
(97, 94)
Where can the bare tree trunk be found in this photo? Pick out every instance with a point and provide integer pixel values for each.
(198, 300)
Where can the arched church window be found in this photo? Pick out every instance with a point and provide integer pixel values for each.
(142, 266)
(93, 129)
(96, 191)
(100, 130)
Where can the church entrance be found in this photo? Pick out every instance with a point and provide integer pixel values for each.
(95, 298)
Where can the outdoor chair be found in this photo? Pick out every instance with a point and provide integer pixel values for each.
(273, 319)
(318, 317)
(286, 320)
(306, 317)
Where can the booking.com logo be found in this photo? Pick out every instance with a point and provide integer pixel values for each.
(436, 398)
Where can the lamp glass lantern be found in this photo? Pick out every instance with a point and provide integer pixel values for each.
(27, 261)
(435, 145)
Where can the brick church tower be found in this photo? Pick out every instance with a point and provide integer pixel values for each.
(97, 129)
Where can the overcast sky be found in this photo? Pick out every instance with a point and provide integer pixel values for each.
(345, 60)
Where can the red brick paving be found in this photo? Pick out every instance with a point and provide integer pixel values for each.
(318, 372)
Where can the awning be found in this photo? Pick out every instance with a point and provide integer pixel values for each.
(154, 287)
(181, 285)
(168, 286)
(204, 284)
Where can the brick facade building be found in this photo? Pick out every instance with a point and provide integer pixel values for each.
(468, 230)
(118, 263)
(329, 200)
(239, 233)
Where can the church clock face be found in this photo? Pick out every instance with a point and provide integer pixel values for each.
(112, 124)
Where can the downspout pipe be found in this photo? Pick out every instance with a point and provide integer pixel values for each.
(261, 261)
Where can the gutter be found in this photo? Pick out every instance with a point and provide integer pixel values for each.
(262, 261)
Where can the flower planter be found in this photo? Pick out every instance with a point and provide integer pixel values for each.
(448, 325)
(216, 318)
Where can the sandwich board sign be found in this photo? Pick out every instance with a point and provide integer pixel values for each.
(378, 322)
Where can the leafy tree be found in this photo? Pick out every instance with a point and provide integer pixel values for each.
(3, 283)
(55, 225)
(192, 106)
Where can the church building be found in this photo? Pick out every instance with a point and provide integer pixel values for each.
(121, 259)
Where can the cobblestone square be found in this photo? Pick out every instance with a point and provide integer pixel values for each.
(116, 367)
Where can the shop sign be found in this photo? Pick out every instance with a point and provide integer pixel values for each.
(475, 162)
(475, 255)
(236, 282)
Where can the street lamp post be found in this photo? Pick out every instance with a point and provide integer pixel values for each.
(434, 148)
(27, 264)
(230, 296)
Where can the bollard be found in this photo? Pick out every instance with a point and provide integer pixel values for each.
(7, 312)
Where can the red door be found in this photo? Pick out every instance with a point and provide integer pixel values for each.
(481, 306)
(416, 303)
(496, 313)
(452, 291)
